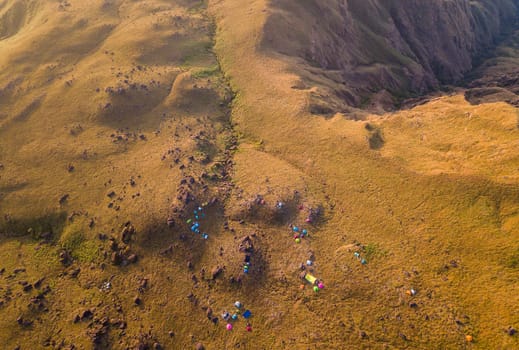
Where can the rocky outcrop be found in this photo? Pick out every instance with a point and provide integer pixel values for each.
(356, 51)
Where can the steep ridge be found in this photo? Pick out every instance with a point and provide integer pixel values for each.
(496, 78)
(373, 53)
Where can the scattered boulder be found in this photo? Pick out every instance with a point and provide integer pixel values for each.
(132, 258)
(45, 290)
(199, 346)
(116, 258)
(143, 285)
(246, 245)
(98, 334)
(127, 233)
(216, 271)
(37, 303)
(105, 321)
(192, 298)
(86, 314)
(74, 272)
(113, 244)
(63, 198)
(167, 250)
(24, 322)
(65, 258)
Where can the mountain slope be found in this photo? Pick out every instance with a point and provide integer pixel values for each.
(429, 192)
(371, 53)
(123, 122)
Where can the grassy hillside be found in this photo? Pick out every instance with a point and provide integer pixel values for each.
(118, 121)
(430, 193)
(112, 111)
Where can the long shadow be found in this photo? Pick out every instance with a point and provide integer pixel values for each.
(48, 227)
(177, 241)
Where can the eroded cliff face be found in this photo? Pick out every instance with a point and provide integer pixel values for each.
(370, 53)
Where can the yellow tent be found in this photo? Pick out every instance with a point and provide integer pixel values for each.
(310, 278)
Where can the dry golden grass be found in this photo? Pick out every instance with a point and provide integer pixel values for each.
(425, 203)
(117, 90)
(434, 208)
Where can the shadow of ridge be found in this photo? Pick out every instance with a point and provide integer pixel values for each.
(280, 213)
(48, 227)
(257, 278)
(156, 237)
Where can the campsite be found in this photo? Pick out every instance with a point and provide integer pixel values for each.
(220, 174)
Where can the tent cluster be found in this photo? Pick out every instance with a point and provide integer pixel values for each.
(195, 224)
(230, 318)
(299, 233)
(361, 259)
(247, 248)
(317, 285)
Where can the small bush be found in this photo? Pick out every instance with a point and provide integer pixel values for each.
(512, 261)
(376, 140)
(72, 238)
(206, 72)
(373, 250)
